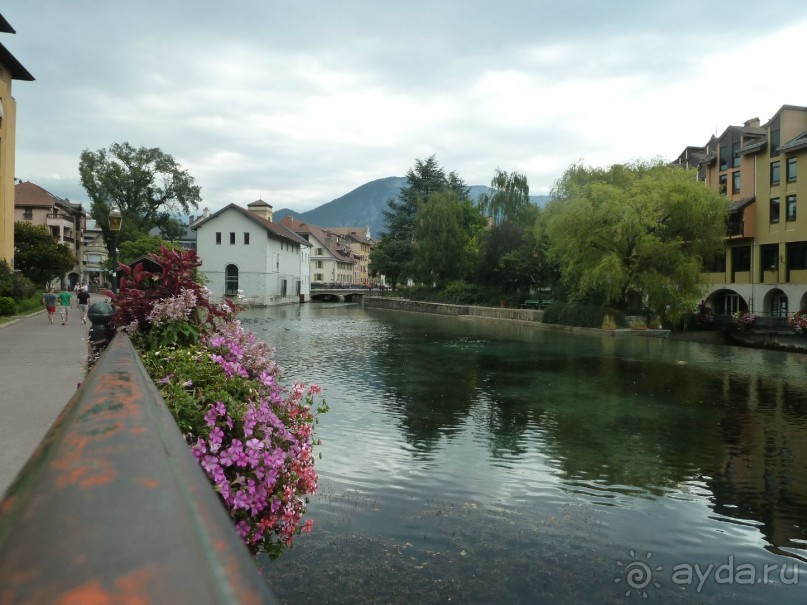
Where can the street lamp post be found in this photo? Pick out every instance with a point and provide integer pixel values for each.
(115, 220)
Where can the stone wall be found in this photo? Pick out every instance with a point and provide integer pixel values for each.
(402, 304)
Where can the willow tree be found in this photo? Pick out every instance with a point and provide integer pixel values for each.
(509, 199)
(635, 236)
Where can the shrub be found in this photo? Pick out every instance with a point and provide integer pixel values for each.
(584, 316)
(15, 284)
(7, 306)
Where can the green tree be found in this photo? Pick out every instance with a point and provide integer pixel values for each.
(142, 246)
(147, 184)
(444, 248)
(509, 199)
(38, 256)
(634, 235)
(394, 254)
(506, 258)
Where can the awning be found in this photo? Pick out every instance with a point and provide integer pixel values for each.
(740, 204)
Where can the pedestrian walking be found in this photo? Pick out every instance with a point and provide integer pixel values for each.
(64, 304)
(83, 298)
(49, 300)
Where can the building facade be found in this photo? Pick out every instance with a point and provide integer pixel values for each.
(10, 69)
(332, 262)
(360, 243)
(244, 254)
(65, 220)
(756, 166)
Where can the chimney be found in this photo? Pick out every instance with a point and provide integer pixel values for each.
(206, 212)
(261, 209)
(752, 123)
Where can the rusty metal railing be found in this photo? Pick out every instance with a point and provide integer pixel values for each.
(113, 508)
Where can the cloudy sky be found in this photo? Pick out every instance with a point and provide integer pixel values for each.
(299, 102)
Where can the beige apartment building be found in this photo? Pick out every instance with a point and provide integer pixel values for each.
(66, 221)
(756, 166)
(10, 69)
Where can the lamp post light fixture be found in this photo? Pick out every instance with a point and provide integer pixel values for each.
(115, 220)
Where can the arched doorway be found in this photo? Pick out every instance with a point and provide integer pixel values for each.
(727, 302)
(778, 304)
(231, 280)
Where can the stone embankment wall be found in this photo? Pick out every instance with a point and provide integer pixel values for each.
(401, 304)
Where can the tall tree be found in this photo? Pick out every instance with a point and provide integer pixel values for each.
(147, 184)
(444, 248)
(38, 256)
(635, 235)
(509, 199)
(395, 251)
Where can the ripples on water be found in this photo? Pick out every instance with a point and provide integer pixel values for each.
(477, 462)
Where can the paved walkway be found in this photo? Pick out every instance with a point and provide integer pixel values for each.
(41, 365)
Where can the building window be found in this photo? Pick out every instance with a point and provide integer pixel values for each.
(792, 169)
(735, 181)
(723, 184)
(735, 155)
(218, 237)
(790, 208)
(718, 265)
(232, 237)
(724, 157)
(319, 277)
(768, 256)
(741, 258)
(774, 210)
(231, 280)
(319, 264)
(246, 238)
(28, 214)
(797, 256)
(775, 142)
(283, 286)
(775, 173)
(319, 252)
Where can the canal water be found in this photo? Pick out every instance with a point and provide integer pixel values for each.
(469, 461)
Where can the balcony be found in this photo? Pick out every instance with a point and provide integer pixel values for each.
(735, 229)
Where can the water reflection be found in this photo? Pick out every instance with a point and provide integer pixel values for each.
(525, 448)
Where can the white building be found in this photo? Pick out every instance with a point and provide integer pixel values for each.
(243, 250)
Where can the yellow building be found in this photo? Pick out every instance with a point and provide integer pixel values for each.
(756, 166)
(10, 69)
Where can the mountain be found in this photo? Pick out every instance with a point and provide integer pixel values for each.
(365, 206)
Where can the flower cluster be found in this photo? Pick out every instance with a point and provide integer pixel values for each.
(798, 322)
(743, 320)
(252, 436)
(259, 456)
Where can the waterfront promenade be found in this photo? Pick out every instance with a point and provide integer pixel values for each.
(41, 365)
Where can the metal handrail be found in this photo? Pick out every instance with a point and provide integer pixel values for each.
(112, 507)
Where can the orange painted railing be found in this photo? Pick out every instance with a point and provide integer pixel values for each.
(113, 508)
